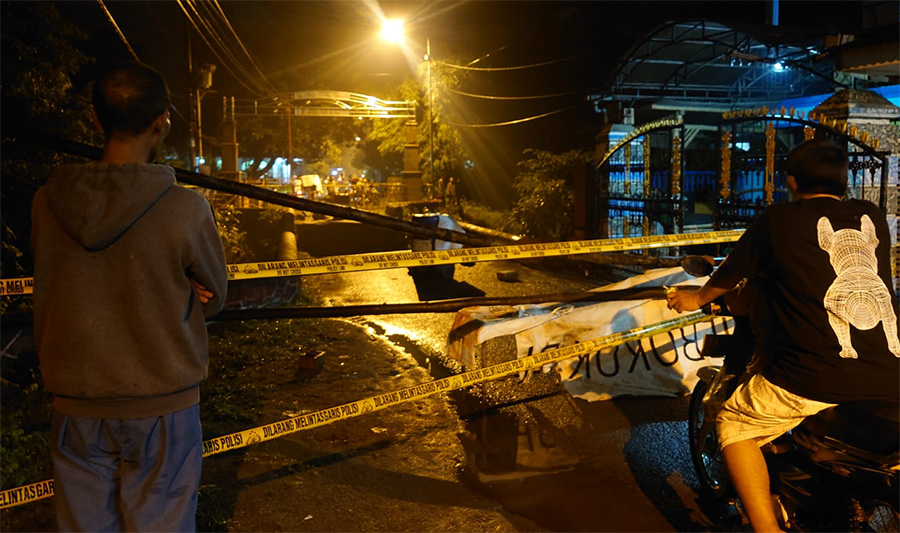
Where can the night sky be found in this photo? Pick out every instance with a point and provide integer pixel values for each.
(305, 45)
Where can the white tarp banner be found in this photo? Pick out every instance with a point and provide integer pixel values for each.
(665, 364)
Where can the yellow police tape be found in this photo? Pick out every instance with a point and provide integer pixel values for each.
(274, 430)
(383, 260)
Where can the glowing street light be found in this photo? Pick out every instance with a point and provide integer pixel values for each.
(392, 31)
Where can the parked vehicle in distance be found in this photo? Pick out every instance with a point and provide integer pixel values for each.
(308, 186)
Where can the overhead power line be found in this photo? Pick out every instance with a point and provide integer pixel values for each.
(241, 44)
(209, 25)
(213, 34)
(213, 49)
(118, 31)
(211, 21)
(535, 97)
(513, 122)
(519, 67)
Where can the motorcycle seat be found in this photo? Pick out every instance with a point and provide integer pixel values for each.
(874, 428)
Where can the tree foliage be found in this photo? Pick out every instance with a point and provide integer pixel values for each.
(43, 90)
(390, 135)
(316, 140)
(545, 202)
(40, 64)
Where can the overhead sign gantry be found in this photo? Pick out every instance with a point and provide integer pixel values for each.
(327, 104)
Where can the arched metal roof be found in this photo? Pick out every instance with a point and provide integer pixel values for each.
(704, 65)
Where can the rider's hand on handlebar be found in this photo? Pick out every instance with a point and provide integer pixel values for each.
(682, 300)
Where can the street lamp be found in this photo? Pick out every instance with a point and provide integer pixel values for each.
(392, 31)
(430, 116)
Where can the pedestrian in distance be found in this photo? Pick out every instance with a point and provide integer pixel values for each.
(826, 322)
(451, 198)
(128, 267)
(439, 189)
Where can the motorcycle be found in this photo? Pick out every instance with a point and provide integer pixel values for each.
(837, 471)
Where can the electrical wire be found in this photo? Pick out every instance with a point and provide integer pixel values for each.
(133, 54)
(246, 52)
(486, 97)
(211, 33)
(211, 27)
(520, 67)
(118, 31)
(224, 63)
(215, 21)
(512, 122)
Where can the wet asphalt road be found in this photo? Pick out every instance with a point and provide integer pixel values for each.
(565, 463)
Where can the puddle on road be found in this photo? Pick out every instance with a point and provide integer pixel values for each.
(515, 463)
(510, 460)
(401, 340)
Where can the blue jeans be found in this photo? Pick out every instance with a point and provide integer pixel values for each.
(127, 475)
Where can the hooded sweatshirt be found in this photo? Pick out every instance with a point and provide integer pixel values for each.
(119, 329)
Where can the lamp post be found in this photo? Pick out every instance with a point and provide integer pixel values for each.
(392, 31)
(430, 116)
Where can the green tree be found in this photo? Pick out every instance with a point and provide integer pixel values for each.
(263, 138)
(390, 135)
(545, 202)
(39, 65)
(259, 143)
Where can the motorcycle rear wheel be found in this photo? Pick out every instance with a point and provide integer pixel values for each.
(880, 516)
(706, 455)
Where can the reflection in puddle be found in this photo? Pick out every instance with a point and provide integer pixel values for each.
(516, 463)
(504, 449)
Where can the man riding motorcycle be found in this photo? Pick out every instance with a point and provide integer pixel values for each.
(826, 325)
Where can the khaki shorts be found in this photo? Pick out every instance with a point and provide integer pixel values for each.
(762, 411)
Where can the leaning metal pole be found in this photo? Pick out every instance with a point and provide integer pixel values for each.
(443, 306)
(337, 211)
(284, 200)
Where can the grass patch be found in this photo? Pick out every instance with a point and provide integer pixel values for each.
(24, 435)
(482, 215)
(244, 360)
(244, 356)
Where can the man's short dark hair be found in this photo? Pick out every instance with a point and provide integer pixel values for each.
(820, 166)
(128, 98)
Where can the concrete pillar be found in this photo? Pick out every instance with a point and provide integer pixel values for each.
(412, 176)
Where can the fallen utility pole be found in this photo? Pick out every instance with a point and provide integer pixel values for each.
(491, 238)
(284, 200)
(443, 306)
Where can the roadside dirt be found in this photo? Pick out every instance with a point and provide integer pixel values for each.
(391, 470)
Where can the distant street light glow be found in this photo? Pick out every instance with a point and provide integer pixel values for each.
(392, 31)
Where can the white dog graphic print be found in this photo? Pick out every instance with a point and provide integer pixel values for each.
(857, 296)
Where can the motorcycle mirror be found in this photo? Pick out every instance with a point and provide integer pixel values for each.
(698, 265)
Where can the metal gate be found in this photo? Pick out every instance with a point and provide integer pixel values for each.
(753, 154)
(642, 188)
(639, 188)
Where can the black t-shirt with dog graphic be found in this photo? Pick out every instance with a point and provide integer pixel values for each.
(828, 317)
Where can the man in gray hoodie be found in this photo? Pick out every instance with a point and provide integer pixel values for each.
(128, 267)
